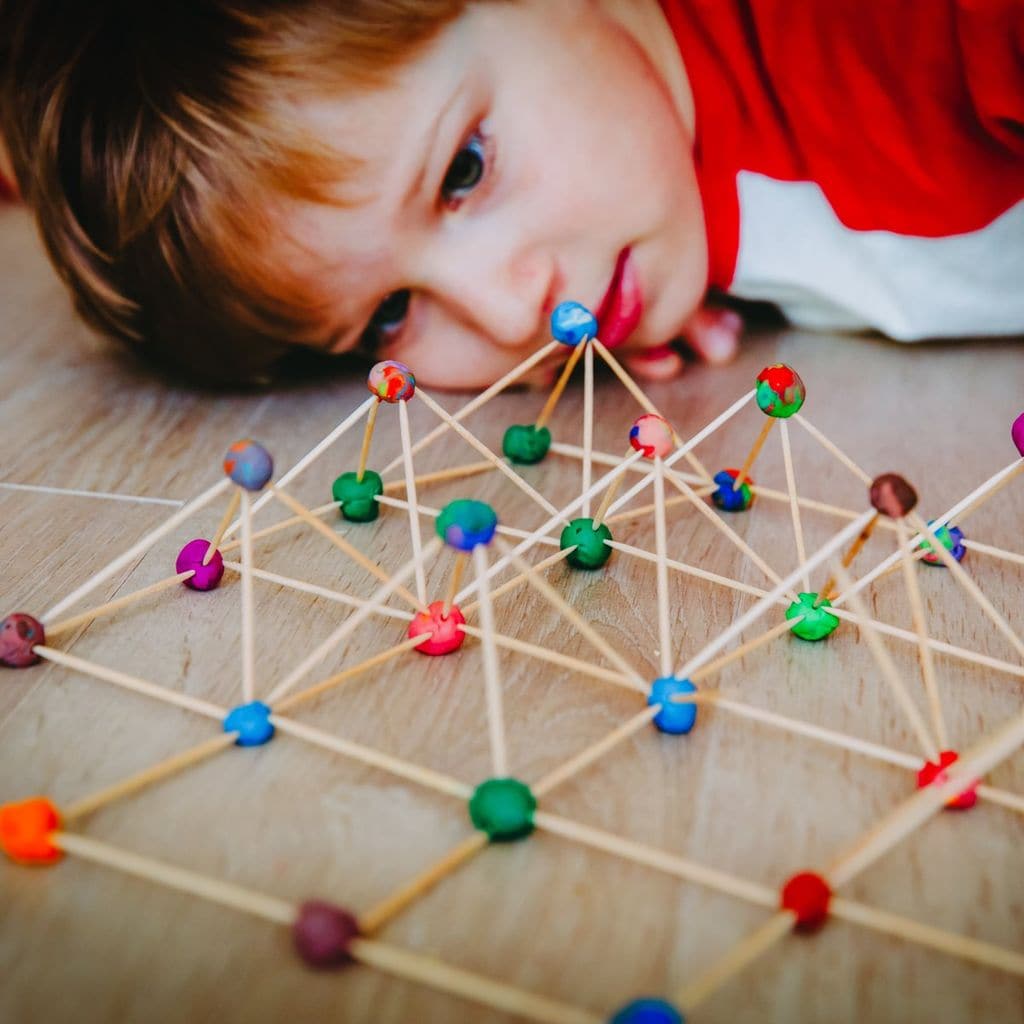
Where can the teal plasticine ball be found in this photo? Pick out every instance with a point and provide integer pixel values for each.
(525, 445)
(591, 550)
(817, 623)
(359, 497)
(465, 523)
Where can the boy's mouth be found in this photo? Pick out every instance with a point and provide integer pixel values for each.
(623, 304)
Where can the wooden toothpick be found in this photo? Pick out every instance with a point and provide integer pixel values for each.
(588, 426)
(794, 505)
(410, 496)
(748, 462)
(661, 550)
(560, 385)
(461, 559)
(248, 636)
(364, 454)
(229, 514)
(492, 679)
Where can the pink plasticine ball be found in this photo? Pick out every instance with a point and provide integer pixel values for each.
(447, 635)
(191, 557)
(1017, 433)
(651, 435)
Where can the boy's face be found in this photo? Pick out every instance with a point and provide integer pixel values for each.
(532, 154)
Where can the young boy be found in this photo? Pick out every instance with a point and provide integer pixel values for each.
(217, 181)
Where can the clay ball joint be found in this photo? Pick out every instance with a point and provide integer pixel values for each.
(391, 382)
(892, 496)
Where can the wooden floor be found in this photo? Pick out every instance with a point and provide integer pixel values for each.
(83, 943)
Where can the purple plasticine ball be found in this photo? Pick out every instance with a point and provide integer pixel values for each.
(191, 557)
(1017, 433)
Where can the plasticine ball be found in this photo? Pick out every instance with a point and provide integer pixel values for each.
(251, 722)
(465, 523)
(951, 538)
(503, 808)
(1017, 433)
(323, 934)
(190, 558)
(651, 435)
(729, 498)
(891, 495)
(677, 719)
(249, 465)
(780, 391)
(647, 1011)
(358, 497)
(572, 323)
(447, 636)
(816, 623)
(932, 773)
(26, 829)
(19, 633)
(391, 382)
(591, 550)
(806, 895)
(525, 444)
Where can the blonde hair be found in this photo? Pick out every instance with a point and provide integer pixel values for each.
(152, 141)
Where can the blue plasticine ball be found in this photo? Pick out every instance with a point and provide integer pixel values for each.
(465, 523)
(676, 719)
(648, 1011)
(571, 323)
(251, 722)
(249, 465)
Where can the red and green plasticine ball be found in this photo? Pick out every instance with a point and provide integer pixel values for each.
(780, 391)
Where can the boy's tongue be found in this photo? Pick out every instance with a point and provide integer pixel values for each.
(622, 306)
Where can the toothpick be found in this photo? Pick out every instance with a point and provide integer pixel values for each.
(387, 910)
(794, 505)
(110, 607)
(285, 524)
(588, 426)
(661, 550)
(364, 454)
(248, 639)
(129, 682)
(609, 494)
(519, 580)
(560, 385)
(888, 669)
(410, 495)
(492, 680)
(229, 513)
(742, 651)
(987, 549)
(453, 585)
(442, 475)
(924, 652)
(645, 510)
(827, 592)
(486, 452)
(343, 545)
(137, 549)
(485, 396)
(833, 449)
(748, 462)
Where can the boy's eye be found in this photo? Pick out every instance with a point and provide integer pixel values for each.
(389, 315)
(466, 170)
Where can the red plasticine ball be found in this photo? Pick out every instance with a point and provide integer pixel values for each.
(935, 773)
(808, 896)
(447, 635)
(25, 830)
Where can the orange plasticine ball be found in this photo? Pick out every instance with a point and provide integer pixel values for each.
(25, 830)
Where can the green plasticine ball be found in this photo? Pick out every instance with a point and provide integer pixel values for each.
(591, 550)
(525, 444)
(358, 497)
(817, 623)
(503, 808)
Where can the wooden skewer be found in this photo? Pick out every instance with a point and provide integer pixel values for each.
(172, 877)
(116, 605)
(609, 496)
(646, 404)
(740, 956)
(410, 497)
(588, 426)
(661, 551)
(924, 652)
(560, 385)
(343, 545)
(350, 625)
(557, 658)
(834, 449)
(748, 462)
(492, 678)
(888, 670)
(248, 623)
(482, 399)
(416, 967)
(965, 581)
(229, 514)
(442, 476)
(350, 673)
(827, 592)
(486, 452)
(388, 909)
(458, 569)
(137, 549)
(155, 773)
(554, 598)
(129, 682)
(571, 768)
(374, 758)
(794, 505)
(517, 581)
(364, 453)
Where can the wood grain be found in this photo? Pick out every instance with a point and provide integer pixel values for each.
(81, 943)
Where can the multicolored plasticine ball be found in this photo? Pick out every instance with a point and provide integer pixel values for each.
(391, 382)
(651, 435)
(951, 538)
(780, 391)
(1017, 433)
(19, 633)
(465, 524)
(249, 465)
(730, 498)
(572, 323)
